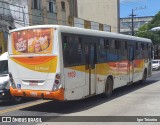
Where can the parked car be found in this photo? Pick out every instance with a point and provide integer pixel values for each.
(4, 80)
(156, 64)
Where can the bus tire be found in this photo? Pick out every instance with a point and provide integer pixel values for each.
(108, 87)
(144, 76)
(16, 100)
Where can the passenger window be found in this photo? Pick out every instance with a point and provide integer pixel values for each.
(126, 45)
(72, 49)
(112, 54)
(117, 44)
(107, 44)
(123, 51)
(102, 55)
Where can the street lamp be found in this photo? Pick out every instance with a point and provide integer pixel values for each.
(155, 29)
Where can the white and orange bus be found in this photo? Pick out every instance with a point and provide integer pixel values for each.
(68, 63)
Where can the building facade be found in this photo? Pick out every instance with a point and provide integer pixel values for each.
(49, 12)
(101, 11)
(11, 16)
(126, 24)
(20, 13)
(38, 12)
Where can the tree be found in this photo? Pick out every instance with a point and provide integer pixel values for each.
(145, 32)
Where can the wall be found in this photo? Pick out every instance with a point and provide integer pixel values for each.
(126, 24)
(101, 11)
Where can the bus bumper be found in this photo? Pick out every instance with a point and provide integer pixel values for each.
(5, 94)
(56, 95)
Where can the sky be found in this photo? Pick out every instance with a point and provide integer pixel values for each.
(141, 7)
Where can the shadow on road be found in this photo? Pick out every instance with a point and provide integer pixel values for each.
(80, 105)
(10, 103)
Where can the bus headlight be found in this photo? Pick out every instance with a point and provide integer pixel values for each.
(57, 85)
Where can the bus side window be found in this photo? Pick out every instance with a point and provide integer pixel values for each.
(117, 44)
(106, 44)
(65, 48)
(72, 50)
(112, 52)
(149, 51)
(123, 51)
(137, 46)
(126, 45)
(101, 50)
(142, 46)
(145, 51)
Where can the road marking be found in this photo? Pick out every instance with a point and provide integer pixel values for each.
(23, 106)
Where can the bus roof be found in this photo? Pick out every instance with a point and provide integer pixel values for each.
(4, 56)
(68, 29)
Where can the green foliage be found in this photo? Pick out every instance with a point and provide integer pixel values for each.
(145, 32)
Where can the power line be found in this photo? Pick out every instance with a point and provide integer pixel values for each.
(129, 3)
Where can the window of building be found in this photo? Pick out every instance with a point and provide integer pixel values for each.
(51, 7)
(63, 5)
(36, 4)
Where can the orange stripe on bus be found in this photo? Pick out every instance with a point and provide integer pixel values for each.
(57, 95)
(34, 60)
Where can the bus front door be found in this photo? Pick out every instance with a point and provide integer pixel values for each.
(90, 60)
(131, 63)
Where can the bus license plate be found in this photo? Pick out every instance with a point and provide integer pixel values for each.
(33, 82)
(33, 94)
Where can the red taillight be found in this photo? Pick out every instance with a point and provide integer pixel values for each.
(56, 82)
(57, 85)
(57, 76)
(12, 81)
(11, 78)
(57, 79)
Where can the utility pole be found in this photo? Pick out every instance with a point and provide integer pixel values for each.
(133, 15)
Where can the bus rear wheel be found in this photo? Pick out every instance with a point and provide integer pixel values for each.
(108, 87)
(144, 77)
(16, 100)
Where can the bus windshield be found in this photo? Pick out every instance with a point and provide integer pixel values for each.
(32, 41)
(4, 67)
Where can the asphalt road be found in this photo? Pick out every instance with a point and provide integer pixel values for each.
(136, 100)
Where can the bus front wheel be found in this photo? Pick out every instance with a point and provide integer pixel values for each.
(108, 87)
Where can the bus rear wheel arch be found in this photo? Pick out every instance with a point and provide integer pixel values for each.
(144, 77)
(108, 86)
